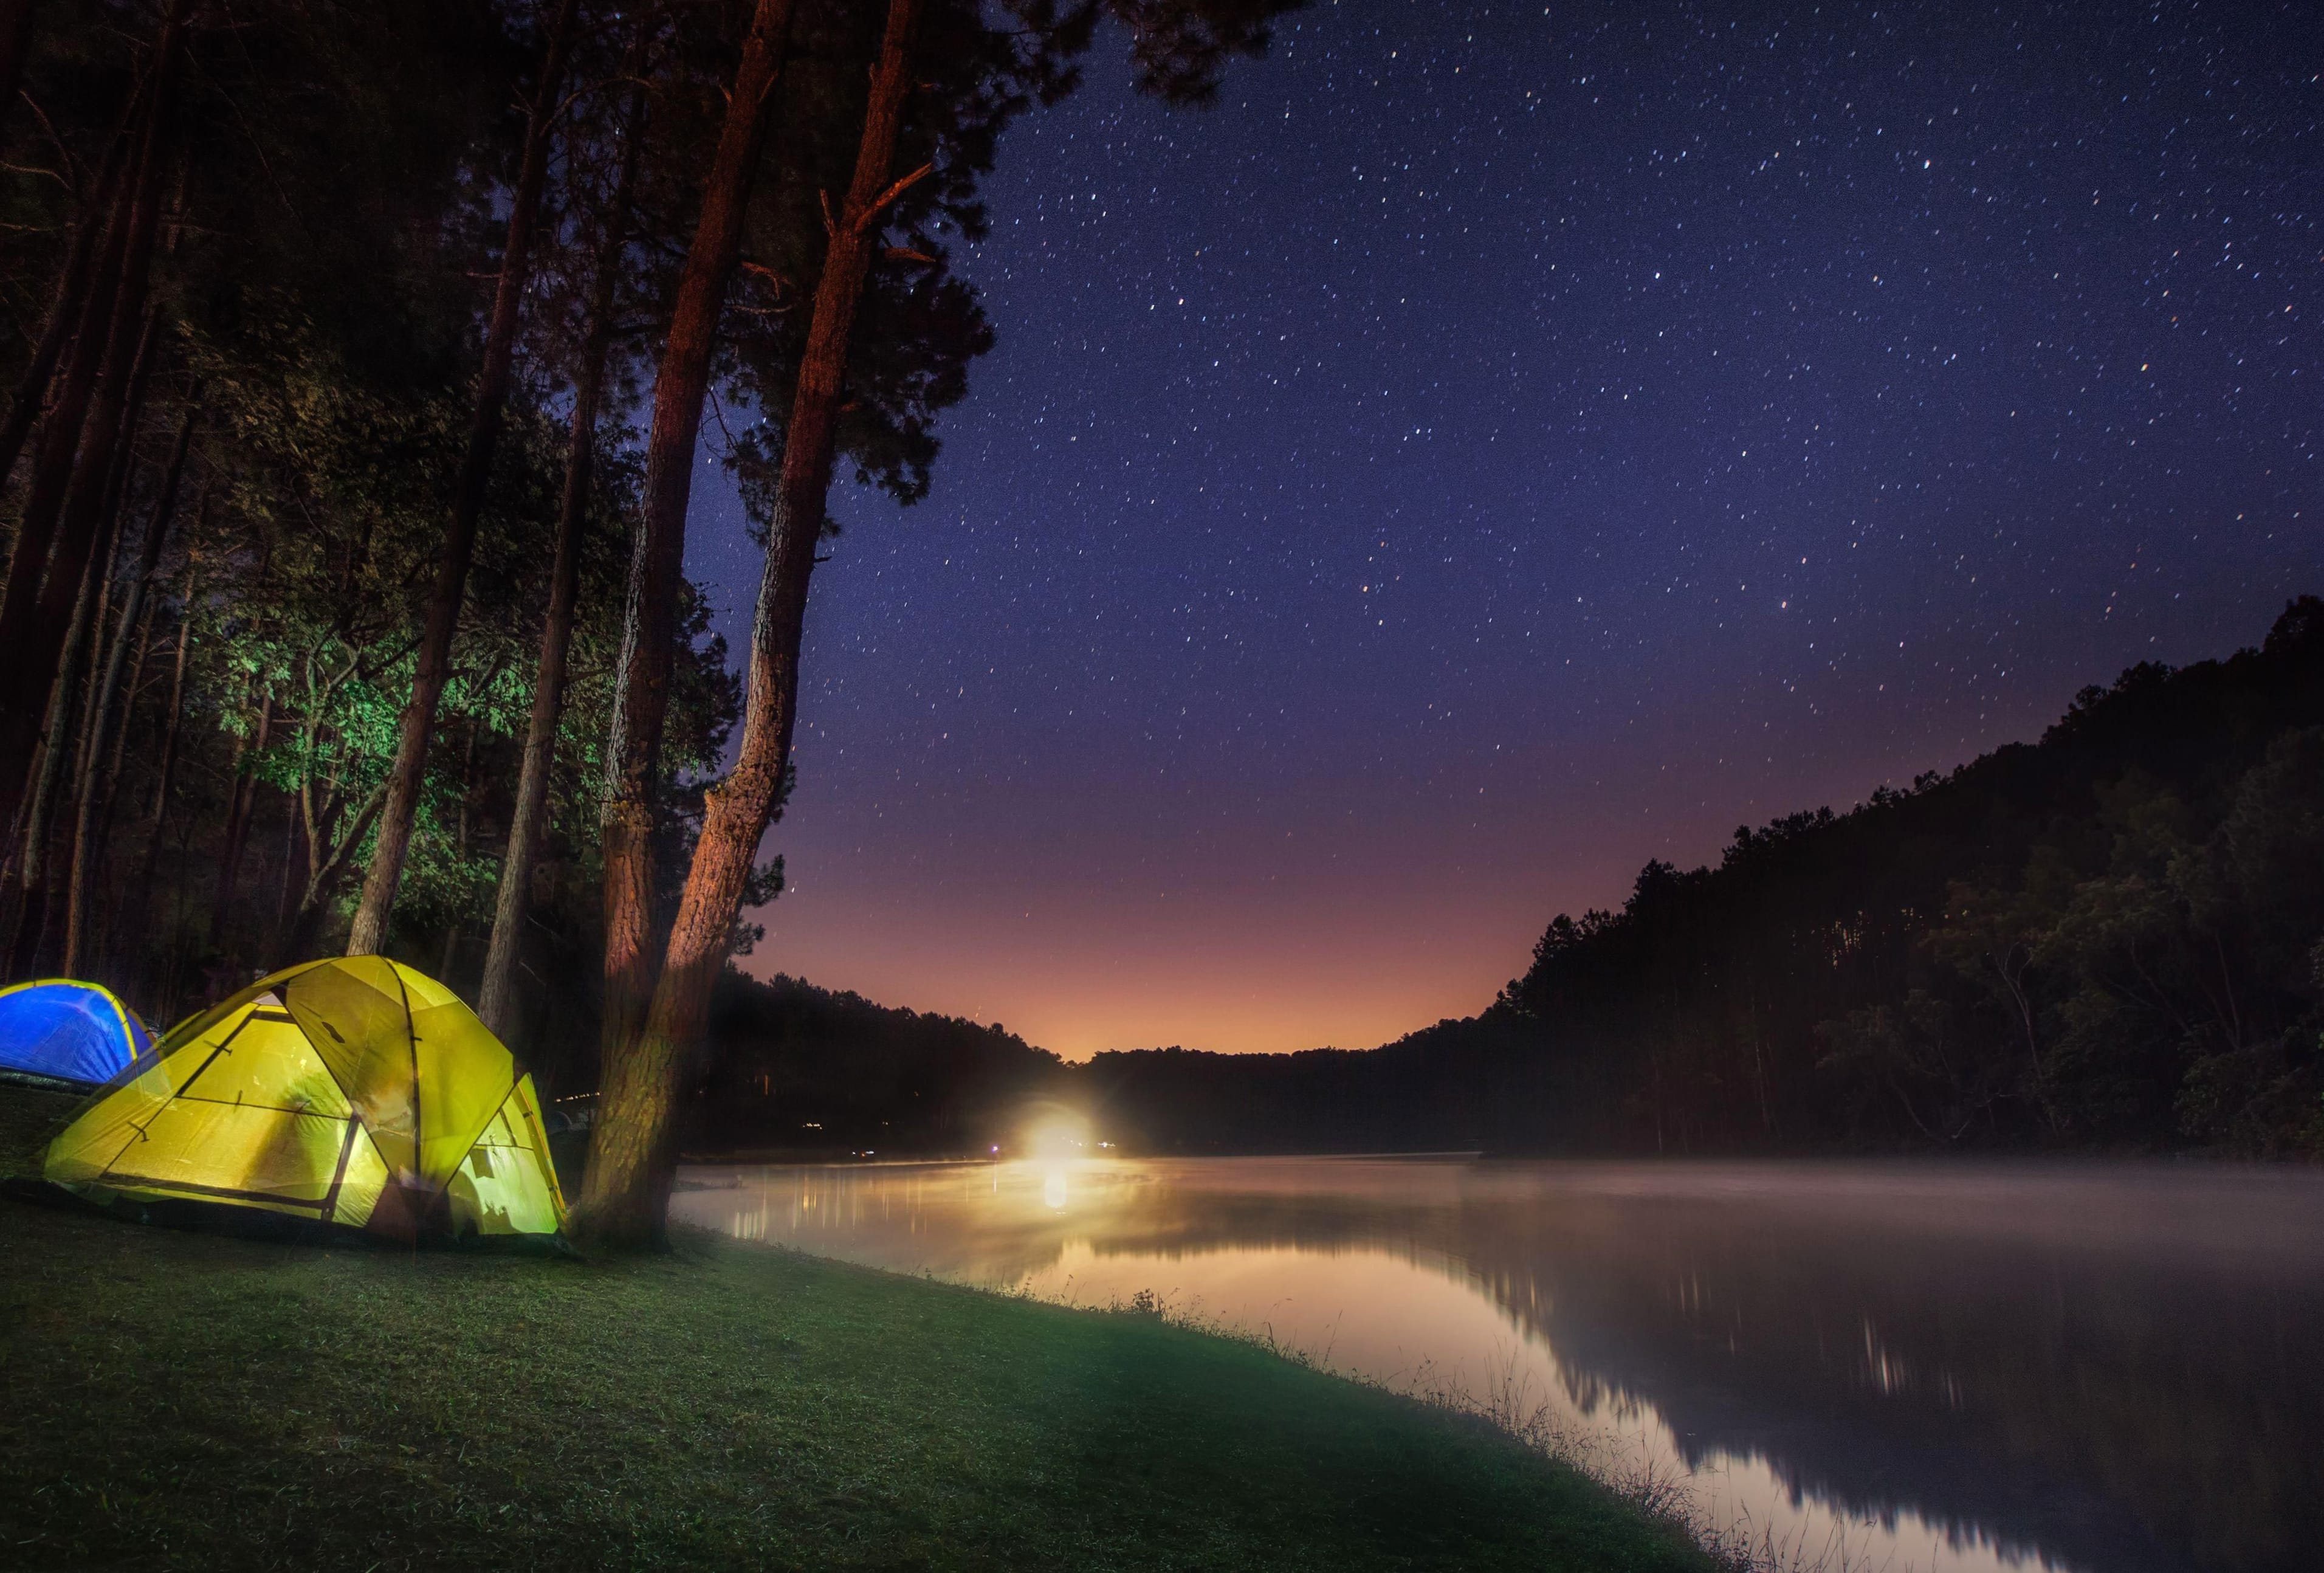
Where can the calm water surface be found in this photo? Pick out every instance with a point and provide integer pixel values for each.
(2087, 1367)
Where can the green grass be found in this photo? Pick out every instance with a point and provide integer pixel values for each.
(174, 1400)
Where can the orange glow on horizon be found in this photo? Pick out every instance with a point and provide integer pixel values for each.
(1261, 937)
(1252, 981)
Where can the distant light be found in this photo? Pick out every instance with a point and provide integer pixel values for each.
(1055, 1133)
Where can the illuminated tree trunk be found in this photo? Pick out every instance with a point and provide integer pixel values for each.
(409, 774)
(496, 1000)
(626, 1199)
(95, 779)
(650, 612)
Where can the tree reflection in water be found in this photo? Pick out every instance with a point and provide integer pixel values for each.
(2106, 1367)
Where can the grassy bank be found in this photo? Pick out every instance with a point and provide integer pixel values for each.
(179, 1400)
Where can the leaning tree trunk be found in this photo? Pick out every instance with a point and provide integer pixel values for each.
(650, 613)
(95, 780)
(72, 291)
(62, 507)
(626, 1199)
(30, 568)
(496, 999)
(409, 774)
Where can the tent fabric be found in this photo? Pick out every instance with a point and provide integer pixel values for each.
(352, 1091)
(64, 1028)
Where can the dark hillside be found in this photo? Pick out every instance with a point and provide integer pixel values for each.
(802, 1069)
(2111, 937)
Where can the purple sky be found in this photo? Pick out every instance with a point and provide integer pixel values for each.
(1498, 446)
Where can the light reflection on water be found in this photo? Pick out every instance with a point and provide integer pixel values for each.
(1950, 1367)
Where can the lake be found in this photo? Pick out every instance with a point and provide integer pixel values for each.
(1954, 1366)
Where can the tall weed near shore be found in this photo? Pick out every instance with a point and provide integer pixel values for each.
(1658, 1488)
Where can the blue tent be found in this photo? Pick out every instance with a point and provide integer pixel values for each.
(75, 1031)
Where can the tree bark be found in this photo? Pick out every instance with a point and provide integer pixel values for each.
(496, 1000)
(84, 632)
(650, 612)
(294, 874)
(323, 873)
(29, 558)
(111, 515)
(95, 784)
(165, 764)
(459, 850)
(131, 940)
(102, 936)
(239, 807)
(30, 889)
(61, 515)
(625, 1197)
(72, 291)
(408, 775)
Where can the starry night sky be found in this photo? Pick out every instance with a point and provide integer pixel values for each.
(1497, 446)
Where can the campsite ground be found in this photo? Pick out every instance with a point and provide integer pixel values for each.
(179, 1400)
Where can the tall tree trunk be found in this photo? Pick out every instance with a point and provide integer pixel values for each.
(649, 613)
(72, 291)
(409, 774)
(95, 780)
(625, 1197)
(100, 951)
(240, 803)
(293, 875)
(63, 503)
(28, 557)
(84, 632)
(35, 871)
(459, 849)
(129, 942)
(166, 762)
(497, 1002)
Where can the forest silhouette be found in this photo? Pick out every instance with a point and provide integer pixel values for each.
(2112, 938)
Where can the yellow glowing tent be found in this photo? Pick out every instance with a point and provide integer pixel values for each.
(351, 1091)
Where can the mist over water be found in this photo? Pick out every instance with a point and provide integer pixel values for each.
(1938, 1366)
